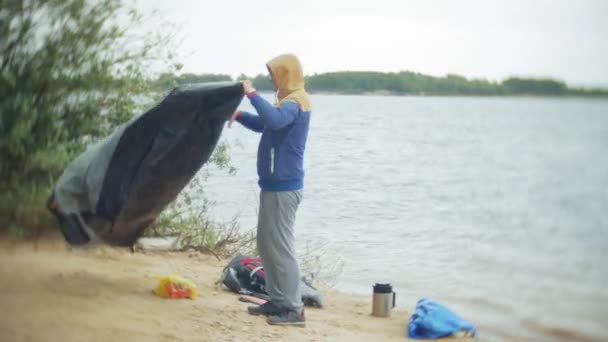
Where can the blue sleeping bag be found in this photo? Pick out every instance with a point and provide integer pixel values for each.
(433, 320)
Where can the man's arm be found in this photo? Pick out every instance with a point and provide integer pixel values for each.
(275, 117)
(250, 121)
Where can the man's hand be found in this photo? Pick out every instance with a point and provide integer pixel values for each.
(233, 118)
(248, 87)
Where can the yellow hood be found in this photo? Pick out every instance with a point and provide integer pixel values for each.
(289, 78)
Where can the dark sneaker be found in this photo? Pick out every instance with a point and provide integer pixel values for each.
(288, 317)
(268, 309)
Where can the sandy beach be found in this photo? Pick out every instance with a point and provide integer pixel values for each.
(52, 293)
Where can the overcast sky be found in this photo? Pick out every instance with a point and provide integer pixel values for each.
(567, 40)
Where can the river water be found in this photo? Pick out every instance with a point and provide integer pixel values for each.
(496, 207)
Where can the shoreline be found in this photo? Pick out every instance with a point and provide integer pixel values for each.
(57, 294)
(393, 94)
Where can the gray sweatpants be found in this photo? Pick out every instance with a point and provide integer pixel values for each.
(276, 244)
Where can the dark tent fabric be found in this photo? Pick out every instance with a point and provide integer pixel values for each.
(118, 186)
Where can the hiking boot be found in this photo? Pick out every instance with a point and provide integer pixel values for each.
(268, 309)
(288, 317)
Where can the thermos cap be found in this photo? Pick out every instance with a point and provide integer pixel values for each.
(383, 288)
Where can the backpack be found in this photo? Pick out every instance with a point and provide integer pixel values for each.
(246, 275)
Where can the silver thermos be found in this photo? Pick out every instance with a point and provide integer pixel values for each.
(383, 301)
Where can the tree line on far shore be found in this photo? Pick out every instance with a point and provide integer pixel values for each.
(402, 83)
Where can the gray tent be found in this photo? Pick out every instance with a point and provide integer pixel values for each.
(118, 186)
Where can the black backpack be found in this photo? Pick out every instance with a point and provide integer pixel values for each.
(246, 275)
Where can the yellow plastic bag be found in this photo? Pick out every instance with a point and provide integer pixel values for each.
(175, 287)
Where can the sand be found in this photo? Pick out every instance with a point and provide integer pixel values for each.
(51, 293)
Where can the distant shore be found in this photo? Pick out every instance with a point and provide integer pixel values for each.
(404, 83)
(387, 93)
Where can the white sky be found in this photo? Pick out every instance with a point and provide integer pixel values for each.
(564, 39)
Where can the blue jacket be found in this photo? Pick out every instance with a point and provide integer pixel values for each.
(433, 320)
(281, 150)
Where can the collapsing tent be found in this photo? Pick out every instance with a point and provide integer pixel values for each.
(118, 186)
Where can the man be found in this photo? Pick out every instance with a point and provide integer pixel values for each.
(280, 164)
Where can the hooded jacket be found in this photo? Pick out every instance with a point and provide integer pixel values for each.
(284, 127)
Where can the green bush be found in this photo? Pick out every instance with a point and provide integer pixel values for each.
(65, 81)
(188, 218)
